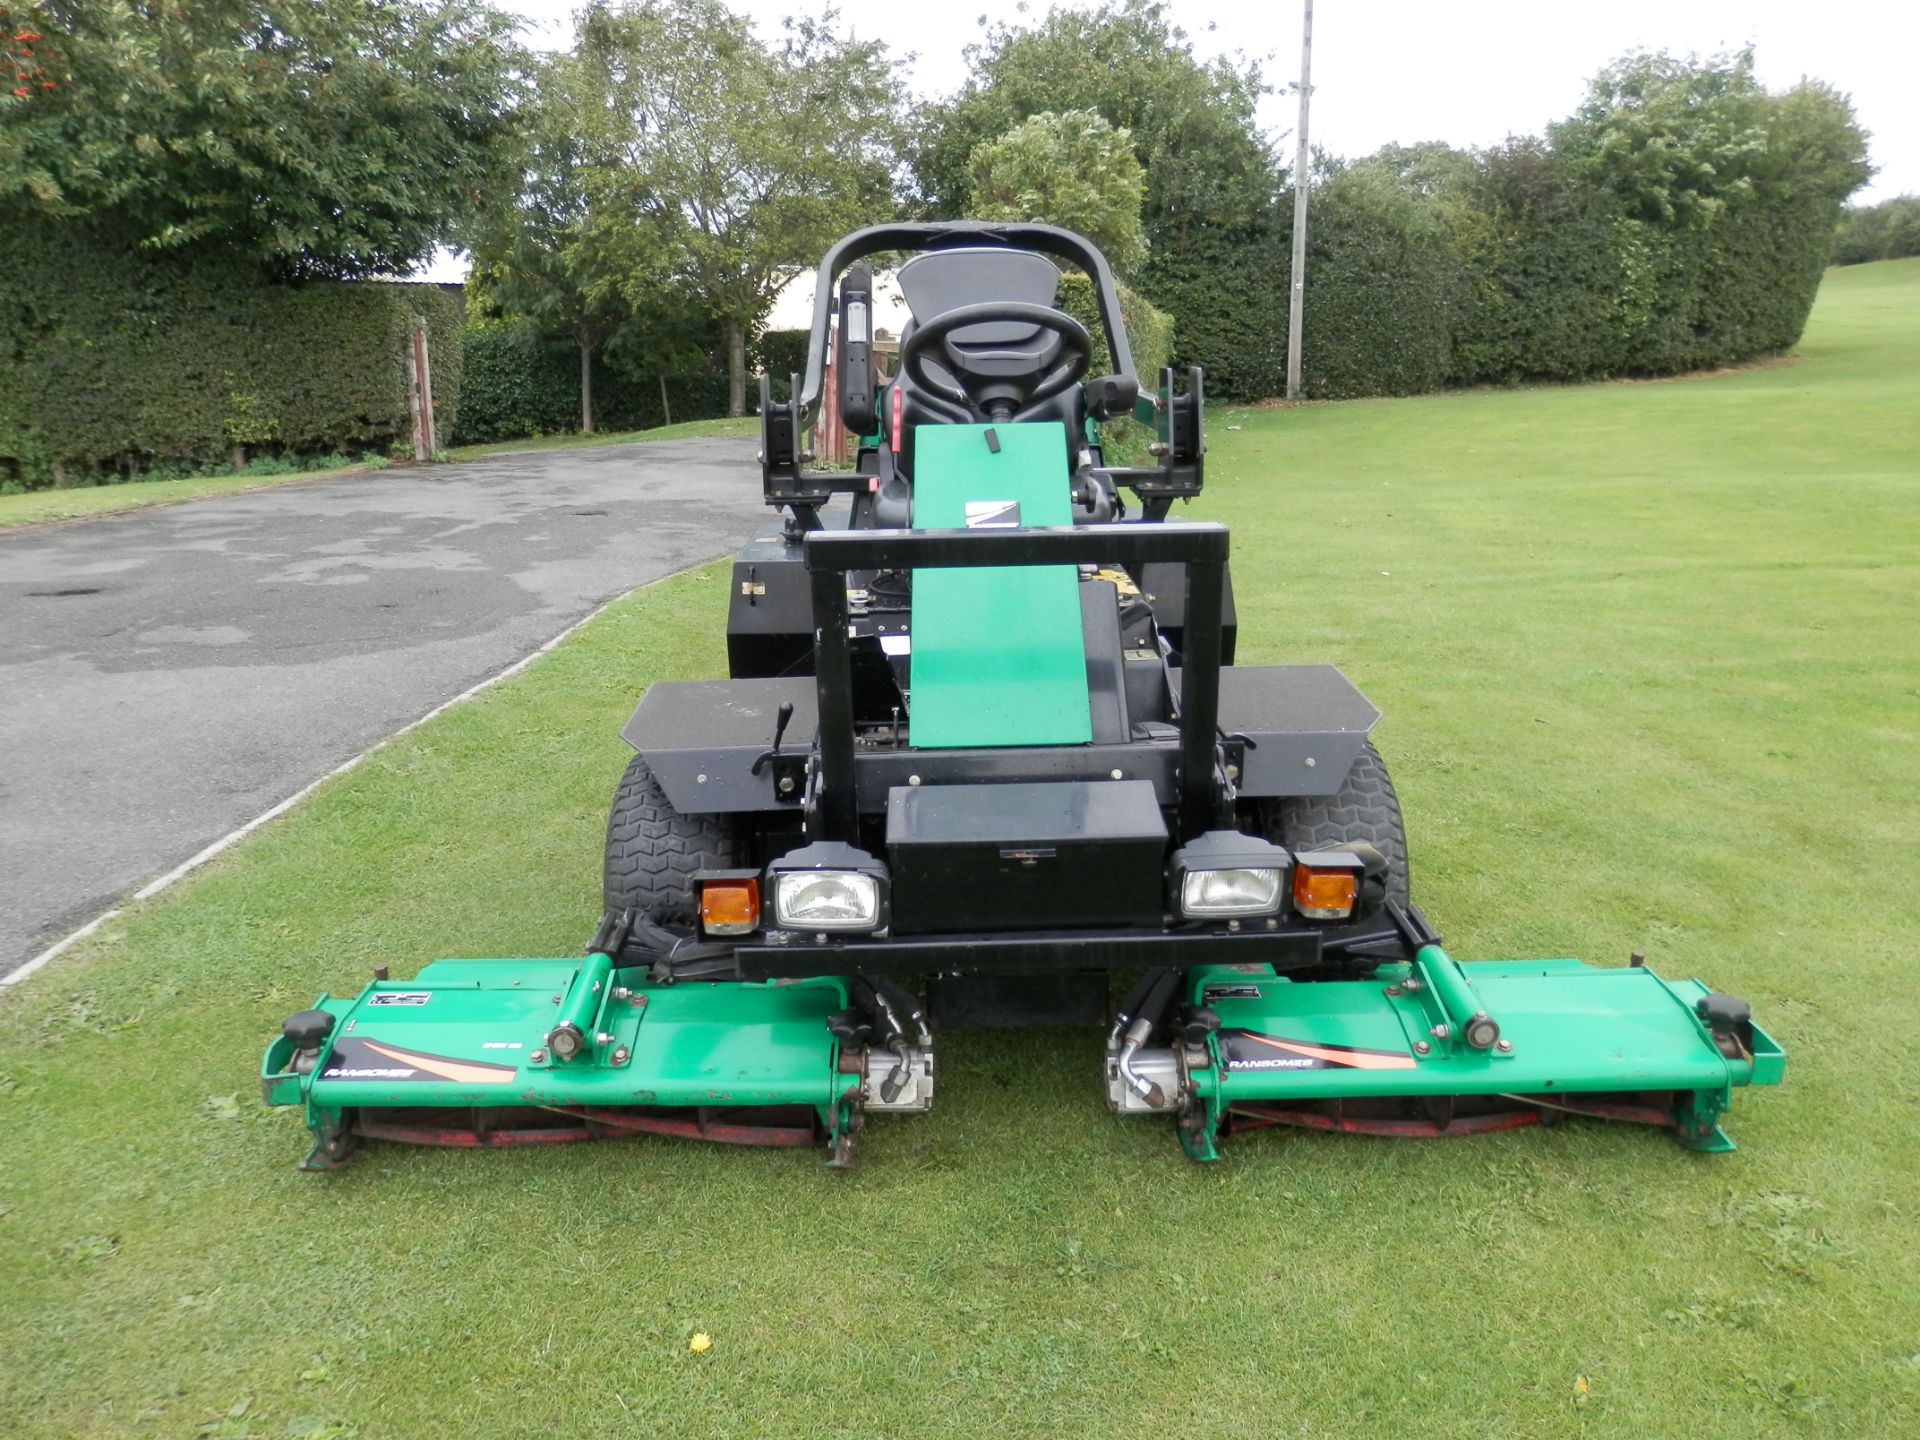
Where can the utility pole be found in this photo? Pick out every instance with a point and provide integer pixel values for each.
(1297, 292)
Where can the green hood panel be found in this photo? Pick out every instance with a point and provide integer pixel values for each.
(998, 656)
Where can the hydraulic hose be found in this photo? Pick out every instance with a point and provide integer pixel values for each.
(903, 999)
(880, 1005)
(1129, 1007)
(1151, 1009)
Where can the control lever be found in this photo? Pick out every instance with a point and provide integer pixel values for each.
(767, 757)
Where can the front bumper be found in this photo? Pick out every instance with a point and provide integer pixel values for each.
(787, 955)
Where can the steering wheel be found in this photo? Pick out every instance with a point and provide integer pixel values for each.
(1076, 354)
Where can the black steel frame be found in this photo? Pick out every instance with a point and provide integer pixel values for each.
(947, 235)
(1177, 421)
(1289, 950)
(1199, 546)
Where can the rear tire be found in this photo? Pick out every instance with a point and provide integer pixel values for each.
(1364, 808)
(653, 850)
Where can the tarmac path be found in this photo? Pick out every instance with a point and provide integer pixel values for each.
(168, 674)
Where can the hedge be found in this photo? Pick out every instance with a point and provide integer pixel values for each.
(783, 354)
(519, 384)
(1382, 292)
(113, 362)
(1887, 231)
(1149, 337)
(1576, 289)
(1226, 290)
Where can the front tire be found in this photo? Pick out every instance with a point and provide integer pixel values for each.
(653, 851)
(1364, 808)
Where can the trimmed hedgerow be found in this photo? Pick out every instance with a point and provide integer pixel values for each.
(1382, 291)
(114, 362)
(783, 354)
(519, 383)
(1887, 231)
(1149, 338)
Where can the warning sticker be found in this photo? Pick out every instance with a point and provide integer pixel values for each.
(993, 514)
(400, 997)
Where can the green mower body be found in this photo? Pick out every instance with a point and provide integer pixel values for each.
(982, 750)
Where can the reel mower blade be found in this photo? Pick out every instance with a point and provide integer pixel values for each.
(1441, 1048)
(501, 1053)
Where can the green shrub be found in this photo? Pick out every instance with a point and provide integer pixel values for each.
(519, 383)
(1149, 338)
(1383, 286)
(1226, 291)
(1887, 231)
(114, 363)
(783, 354)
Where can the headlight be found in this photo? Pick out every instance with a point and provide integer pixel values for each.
(828, 886)
(1230, 892)
(1226, 875)
(827, 900)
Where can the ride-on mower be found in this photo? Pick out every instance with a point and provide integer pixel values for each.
(984, 746)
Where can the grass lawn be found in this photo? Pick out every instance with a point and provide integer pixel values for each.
(1650, 659)
(685, 430)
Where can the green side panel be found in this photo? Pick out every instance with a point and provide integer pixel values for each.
(998, 657)
(465, 1032)
(1568, 1027)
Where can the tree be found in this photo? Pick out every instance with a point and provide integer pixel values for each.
(1887, 231)
(1211, 180)
(337, 139)
(1071, 169)
(539, 255)
(717, 163)
(1678, 140)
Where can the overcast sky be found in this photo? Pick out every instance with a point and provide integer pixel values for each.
(1469, 73)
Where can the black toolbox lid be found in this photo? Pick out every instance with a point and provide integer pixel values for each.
(1037, 812)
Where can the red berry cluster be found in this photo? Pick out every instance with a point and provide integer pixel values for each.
(17, 58)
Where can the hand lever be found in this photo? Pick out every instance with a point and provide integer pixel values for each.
(766, 757)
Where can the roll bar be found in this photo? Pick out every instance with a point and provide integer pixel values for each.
(1199, 546)
(950, 235)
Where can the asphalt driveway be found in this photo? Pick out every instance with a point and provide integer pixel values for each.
(167, 675)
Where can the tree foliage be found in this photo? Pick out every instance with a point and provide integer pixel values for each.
(113, 361)
(1072, 169)
(713, 163)
(541, 252)
(1887, 231)
(335, 139)
(1678, 140)
(1210, 178)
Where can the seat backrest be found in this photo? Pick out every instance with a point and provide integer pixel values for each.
(938, 281)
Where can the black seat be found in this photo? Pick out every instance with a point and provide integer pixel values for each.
(943, 280)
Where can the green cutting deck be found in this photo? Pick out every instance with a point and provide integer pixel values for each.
(474, 1033)
(998, 655)
(1568, 1030)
